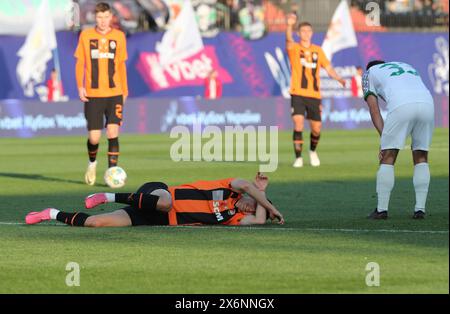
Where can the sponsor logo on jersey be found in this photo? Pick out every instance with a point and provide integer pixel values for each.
(96, 54)
(216, 209)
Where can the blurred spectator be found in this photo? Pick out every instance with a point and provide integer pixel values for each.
(251, 18)
(126, 14)
(408, 13)
(239, 15)
(233, 12)
(357, 82)
(275, 13)
(126, 19)
(213, 86)
(399, 6)
(207, 17)
(54, 87)
(154, 15)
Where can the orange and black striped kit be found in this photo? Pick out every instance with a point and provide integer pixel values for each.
(204, 202)
(100, 63)
(306, 64)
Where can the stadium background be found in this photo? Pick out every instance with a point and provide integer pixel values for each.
(248, 69)
(327, 240)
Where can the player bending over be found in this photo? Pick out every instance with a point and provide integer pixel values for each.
(410, 112)
(226, 202)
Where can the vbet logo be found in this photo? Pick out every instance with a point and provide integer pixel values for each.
(191, 71)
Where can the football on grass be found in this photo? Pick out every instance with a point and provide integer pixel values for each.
(115, 177)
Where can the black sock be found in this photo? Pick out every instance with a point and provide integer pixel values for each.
(92, 151)
(113, 152)
(72, 219)
(143, 201)
(298, 143)
(314, 141)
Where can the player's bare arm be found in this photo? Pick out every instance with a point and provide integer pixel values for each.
(259, 218)
(243, 186)
(375, 113)
(123, 74)
(332, 73)
(79, 73)
(291, 21)
(122, 68)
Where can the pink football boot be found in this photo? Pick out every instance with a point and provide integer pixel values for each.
(94, 200)
(37, 217)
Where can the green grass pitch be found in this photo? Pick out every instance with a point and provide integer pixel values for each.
(324, 246)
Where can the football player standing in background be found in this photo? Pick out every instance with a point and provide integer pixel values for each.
(102, 84)
(306, 60)
(410, 112)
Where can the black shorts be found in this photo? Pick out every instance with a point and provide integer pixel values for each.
(312, 106)
(109, 107)
(141, 217)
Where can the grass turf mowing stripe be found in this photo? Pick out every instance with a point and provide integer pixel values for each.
(280, 228)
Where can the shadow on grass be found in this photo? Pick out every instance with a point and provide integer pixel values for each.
(40, 177)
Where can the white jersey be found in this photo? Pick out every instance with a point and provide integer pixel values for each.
(397, 83)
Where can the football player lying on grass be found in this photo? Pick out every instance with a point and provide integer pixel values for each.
(225, 202)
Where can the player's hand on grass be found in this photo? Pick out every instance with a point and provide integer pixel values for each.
(273, 213)
(261, 181)
(291, 19)
(82, 94)
(277, 215)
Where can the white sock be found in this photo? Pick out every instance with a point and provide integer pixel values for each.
(110, 197)
(92, 163)
(421, 181)
(53, 213)
(385, 184)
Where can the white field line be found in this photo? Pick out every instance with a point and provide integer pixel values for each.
(286, 229)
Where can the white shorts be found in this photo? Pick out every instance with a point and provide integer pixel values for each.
(415, 119)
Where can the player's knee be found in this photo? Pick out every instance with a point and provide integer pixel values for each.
(298, 126)
(94, 140)
(387, 161)
(164, 201)
(164, 205)
(388, 156)
(420, 156)
(112, 134)
(315, 132)
(112, 131)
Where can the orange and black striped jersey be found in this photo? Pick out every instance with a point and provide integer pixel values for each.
(306, 64)
(101, 61)
(205, 202)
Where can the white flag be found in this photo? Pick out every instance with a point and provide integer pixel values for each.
(36, 51)
(340, 34)
(182, 39)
